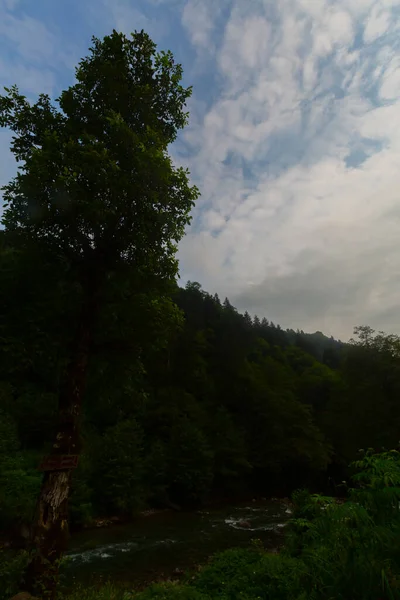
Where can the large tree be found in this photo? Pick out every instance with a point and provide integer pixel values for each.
(97, 195)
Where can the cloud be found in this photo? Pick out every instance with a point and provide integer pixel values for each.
(127, 16)
(32, 80)
(297, 159)
(377, 24)
(294, 141)
(31, 40)
(197, 18)
(390, 88)
(9, 4)
(7, 162)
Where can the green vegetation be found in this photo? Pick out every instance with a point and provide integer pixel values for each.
(341, 550)
(168, 395)
(224, 406)
(334, 550)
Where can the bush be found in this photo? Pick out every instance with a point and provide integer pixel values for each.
(345, 551)
(12, 566)
(252, 574)
(80, 502)
(171, 591)
(190, 463)
(163, 591)
(19, 489)
(120, 467)
(19, 483)
(306, 508)
(351, 550)
(106, 592)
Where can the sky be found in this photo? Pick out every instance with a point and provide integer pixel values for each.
(293, 141)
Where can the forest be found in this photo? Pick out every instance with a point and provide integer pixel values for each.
(227, 406)
(168, 395)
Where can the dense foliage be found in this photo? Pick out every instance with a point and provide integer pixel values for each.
(225, 406)
(341, 550)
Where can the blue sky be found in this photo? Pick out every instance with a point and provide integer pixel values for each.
(294, 141)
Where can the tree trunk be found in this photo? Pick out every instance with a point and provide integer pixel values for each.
(49, 534)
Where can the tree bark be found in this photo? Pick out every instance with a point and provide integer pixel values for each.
(49, 534)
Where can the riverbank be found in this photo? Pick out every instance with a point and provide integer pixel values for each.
(335, 549)
(170, 542)
(136, 554)
(17, 539)
(101, 522)
(233, 568)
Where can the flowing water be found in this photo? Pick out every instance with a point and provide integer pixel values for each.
(163, 544)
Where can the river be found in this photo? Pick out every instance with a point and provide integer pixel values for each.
(164, 544)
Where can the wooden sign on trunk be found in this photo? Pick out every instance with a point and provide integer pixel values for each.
(59, 462)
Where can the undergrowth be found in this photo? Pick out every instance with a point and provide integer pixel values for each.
(333, 551)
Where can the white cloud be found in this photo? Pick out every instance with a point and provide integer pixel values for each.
(31, 80)
(377, 24)
(390, 3)
(197, 19)
(359, 7)
(390, 88)
(334, 28)
(9, 4)
(246, 46)
(7, 162)
(286, 226)
(32, 40)
(125, 17)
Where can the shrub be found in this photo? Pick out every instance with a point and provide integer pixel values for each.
(351, 550)
(164, 591)
(171, 591)
(80, 502)
(346, 551)
(252, 574)
(120, 466)
(12, 566)
(106, 592)
(19, 483)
